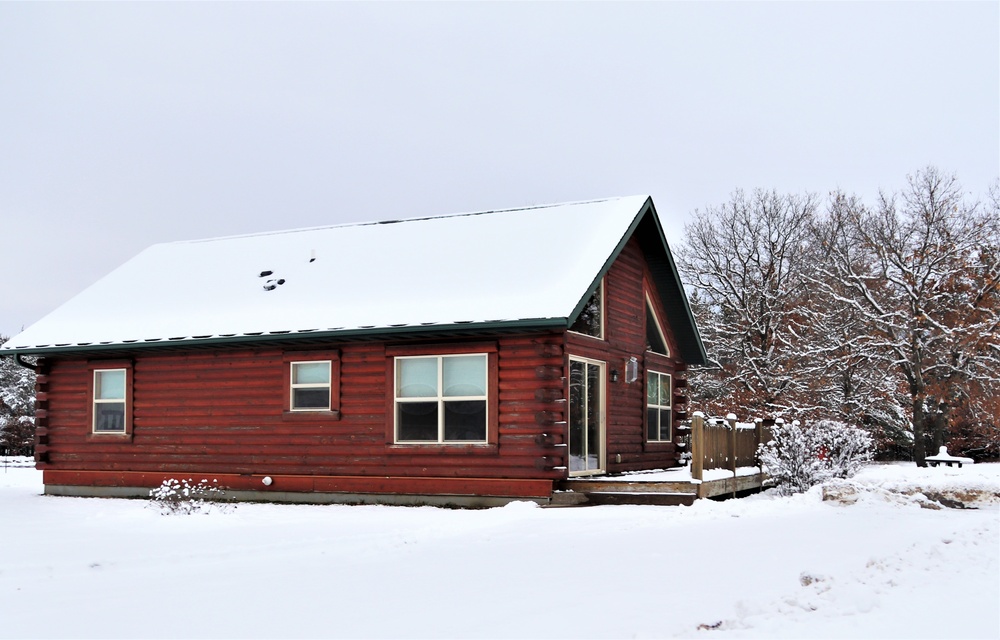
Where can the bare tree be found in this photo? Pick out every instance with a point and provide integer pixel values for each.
(919, 274)
(848, 380)
(746, 260)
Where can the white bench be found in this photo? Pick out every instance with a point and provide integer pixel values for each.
(943, 457)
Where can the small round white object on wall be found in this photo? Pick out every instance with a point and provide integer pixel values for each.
(267, 481)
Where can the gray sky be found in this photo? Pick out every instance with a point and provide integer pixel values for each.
(123, 125)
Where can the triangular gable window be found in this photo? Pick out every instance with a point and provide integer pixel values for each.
(655, 341)
(591, 319)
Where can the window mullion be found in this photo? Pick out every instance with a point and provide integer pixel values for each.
(659, 406)
(586, 411)
(440, 398)
(659, 424)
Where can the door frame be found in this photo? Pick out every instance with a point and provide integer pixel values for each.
(602, 454)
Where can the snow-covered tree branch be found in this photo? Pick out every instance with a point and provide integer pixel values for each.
(886, 316)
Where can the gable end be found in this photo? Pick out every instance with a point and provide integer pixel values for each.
(646, 227)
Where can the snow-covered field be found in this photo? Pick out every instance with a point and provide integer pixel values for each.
(881, 566)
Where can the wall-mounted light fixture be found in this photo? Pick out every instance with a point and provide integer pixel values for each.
(631, 370)
(614, 375)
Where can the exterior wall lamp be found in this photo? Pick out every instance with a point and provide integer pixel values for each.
(631, 370)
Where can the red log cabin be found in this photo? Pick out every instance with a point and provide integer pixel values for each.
(470, 359)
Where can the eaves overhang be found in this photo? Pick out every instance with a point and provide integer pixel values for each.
(457, 329)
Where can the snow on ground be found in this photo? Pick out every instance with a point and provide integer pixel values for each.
(878, 566)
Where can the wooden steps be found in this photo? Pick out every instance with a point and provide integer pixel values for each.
(642, 497)
(584, 492)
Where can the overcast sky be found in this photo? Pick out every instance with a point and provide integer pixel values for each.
(124, 124)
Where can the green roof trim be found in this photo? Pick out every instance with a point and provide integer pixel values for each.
(667, 279)
(300, 336)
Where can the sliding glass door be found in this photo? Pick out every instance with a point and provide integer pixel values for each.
(586, 416)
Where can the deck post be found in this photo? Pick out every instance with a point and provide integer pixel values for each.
(731, 419)
(758, 438)
(697, 445)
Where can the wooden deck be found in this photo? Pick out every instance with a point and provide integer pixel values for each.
(632, 489)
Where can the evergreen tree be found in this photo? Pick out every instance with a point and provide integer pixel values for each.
(17, 408)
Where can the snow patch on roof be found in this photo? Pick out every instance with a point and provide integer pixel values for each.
(510, 265)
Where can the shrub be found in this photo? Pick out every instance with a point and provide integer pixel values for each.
(185, 497)
(799, 457)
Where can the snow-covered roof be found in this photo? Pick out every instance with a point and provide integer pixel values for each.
(533, 264)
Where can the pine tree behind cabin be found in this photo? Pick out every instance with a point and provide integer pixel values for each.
(17, 408)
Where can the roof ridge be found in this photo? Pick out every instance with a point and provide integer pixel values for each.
(373, 223)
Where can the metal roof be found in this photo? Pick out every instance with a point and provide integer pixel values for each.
(503, 270)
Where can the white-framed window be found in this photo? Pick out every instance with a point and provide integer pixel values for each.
(310, 385)
(441, 398)
(110, 406)
(659, 395)
(591, 319)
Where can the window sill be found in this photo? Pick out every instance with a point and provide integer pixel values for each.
(472, 449)
(310, 416)
(109, 436)
(658, 359)
(588, 474)
(587, 335)
(659, 445)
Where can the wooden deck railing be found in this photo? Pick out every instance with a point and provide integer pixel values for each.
(724, 444)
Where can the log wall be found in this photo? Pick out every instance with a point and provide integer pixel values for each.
(224, 412)
(626, 286)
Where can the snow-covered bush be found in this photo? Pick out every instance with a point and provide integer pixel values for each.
(185, 497)
(799, 457)
(844, 449)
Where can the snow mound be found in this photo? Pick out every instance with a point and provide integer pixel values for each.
(932, 488)
(520, 505)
